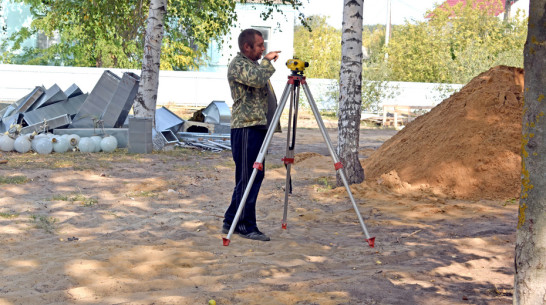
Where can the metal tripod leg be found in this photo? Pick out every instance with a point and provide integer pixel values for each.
(258, 164)
(337, 164)
(290, 144)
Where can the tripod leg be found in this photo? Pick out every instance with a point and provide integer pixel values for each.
(259, 160)
(337, 163)
(290, 144)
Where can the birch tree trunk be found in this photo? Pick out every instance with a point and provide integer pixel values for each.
(350, 97)
(507, 9)
(146, 98)
(530, 256)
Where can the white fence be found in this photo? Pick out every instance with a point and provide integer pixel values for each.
(192, 88)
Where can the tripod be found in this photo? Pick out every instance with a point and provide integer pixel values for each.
(295, 80)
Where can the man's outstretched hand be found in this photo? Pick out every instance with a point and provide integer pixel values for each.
(274, 55)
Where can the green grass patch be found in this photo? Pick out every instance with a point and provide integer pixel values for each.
(13, 179)
(44, 222)
(271, 165)
(80, 198)
(511, 201)
(8, 215)
(324, 184)
(145, 194)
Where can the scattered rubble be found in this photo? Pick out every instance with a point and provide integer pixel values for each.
(104, 113)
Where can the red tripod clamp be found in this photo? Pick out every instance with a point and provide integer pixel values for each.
(288, 160)
(293, 78)
(338, 165)
(259, 166)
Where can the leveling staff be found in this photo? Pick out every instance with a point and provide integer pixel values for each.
(254, 105)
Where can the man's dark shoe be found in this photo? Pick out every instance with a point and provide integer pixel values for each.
(225, 228)
(255, 235)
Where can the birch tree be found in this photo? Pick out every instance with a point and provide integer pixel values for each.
(508, 9)
(530, 256)
(146, 98)
(350, 97)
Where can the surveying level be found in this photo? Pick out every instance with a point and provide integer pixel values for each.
(292, 93)
(297, 65)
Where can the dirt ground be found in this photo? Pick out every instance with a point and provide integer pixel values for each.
(145, 229)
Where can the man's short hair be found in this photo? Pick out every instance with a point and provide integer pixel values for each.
(248, 36)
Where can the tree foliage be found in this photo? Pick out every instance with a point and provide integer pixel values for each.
(455, 44)
(320, 47)
(110, 33)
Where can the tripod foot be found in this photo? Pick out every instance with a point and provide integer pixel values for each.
(284, 226)
(225, 241)
(370, 241)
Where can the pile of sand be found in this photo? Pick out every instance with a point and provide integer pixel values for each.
(466, 147)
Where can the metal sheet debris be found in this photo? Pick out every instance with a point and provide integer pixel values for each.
(69, 106)
(116, 111)
(140, 136)
(217, 112)
(27, 101)
(166, 119)
(46, 125)
(8, 121)
(73, 91)
(169, 136)
(52, 95)
(105, 111)
(207, 141)
(93, 107)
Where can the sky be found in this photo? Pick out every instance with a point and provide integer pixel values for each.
(375, 11)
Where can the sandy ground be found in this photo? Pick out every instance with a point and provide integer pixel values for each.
(148, 232)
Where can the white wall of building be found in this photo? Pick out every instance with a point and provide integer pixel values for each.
(191, 88)
(281, 35)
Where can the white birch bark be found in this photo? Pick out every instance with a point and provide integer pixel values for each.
(146, 98)
(530, 256)
(350, 98)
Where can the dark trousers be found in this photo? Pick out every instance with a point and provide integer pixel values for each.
(245, 147)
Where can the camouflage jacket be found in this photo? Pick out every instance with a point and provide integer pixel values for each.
(249, 88)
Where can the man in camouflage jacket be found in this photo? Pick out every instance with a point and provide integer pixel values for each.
(254, 104)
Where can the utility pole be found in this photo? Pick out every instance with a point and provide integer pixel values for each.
(388, 27)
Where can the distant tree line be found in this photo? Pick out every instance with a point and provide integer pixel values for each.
(451, 46)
